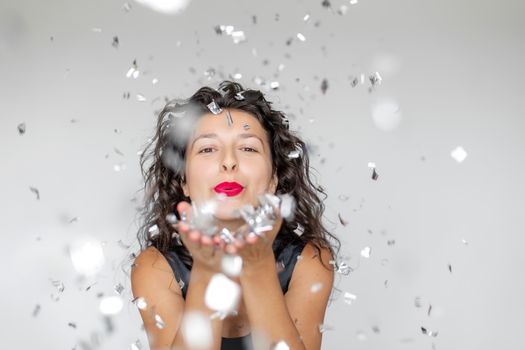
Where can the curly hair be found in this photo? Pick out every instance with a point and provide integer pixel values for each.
(162, 167)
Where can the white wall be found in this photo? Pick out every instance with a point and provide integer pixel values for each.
(455, 69)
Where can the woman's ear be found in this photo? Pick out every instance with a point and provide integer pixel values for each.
(184, 186)
(273, 183)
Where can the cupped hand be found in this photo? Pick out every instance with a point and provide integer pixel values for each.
(206, 251)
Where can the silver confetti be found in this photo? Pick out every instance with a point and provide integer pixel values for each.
(137, 345)
(181, 284)
(35, 191)
(119, 288)
(158, 322)
(349, 298)
(140, 302)
(239, 96)
(229, 118)
(214, 107)
(341, 220)
(154, 230)
(429, 332)
(21, 128)
(365, 252)
(246, 127)
(115, 42)
(36, 310)
(316, 287)
(226, 236)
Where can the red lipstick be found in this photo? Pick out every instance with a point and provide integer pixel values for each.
(229, 188)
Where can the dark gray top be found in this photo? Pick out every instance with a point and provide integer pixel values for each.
(286, 258)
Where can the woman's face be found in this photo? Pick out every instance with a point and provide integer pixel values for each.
(232, 160)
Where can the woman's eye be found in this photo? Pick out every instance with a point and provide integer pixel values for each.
(249, 149)
(206, 150)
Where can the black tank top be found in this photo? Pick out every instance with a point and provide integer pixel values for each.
(285, 258)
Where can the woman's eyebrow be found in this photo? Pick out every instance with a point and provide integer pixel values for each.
(204, 136)
(214, 136)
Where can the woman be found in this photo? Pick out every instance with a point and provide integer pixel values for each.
(231, 142)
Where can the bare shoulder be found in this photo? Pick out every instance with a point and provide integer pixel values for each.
(313, 267)
(152, 268)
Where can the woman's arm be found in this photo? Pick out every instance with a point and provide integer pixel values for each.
(153, 280)
(295, 318)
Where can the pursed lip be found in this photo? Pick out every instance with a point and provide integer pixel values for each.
(229, 188)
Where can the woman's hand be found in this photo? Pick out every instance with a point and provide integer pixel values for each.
(206, 251)
(255, 249)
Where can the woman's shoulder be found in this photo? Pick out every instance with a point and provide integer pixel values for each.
(152, 268)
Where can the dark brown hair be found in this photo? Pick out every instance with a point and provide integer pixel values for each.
(162, 166)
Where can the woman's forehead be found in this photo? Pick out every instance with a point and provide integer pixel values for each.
(228, 121)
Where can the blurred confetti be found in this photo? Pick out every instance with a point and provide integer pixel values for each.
(21, 128)
(428, 332)
(111, 305)
(36, 192)
(459, 154)
(165, 6)
(365, 252)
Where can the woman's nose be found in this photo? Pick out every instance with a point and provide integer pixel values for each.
(229, 162)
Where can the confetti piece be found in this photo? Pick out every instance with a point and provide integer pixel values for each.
(324, 327)
(326, 4)
(126, 7)
(140, 302)
(459, 154)
(165, 6)
(353, 2)
(21, 128)
(137, 345)
(343, 197)
(324, 86)
(181, 284)
(365, 252)
(115, 42)
(87, 256)
(231, 265)
(238, 37)
(341, 220)
(349, 298)
(153, 230)
(417, 302)
(159, 322)
(36, 310)
(281, 345)
(450, 268)
(316, 287)
(196, 330)
(222, 294)
(375, 176)
(111, 305)
(301, 37)
(306, 17)
(214, 107)
(119, 288)
(246, 127)
(141, 98)
(229, 118)
(376, 329)
(36, 192)
(428, 332)
(72, 325)
(274, 85)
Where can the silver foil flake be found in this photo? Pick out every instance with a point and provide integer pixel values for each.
(459, 154)
(158, 322)
(246, 126)
(140, 302)
(274, 85)
(417, 302)
(72, 325)
(375, 79)
(324, 86)
(365, 252)
(226, 236)
(316, 287)
(115, 42)
(344, 269)
(238, 37)
(375, 176)
(36, 310)
(141, 98)
(154, 230)
(119, 288)
(137, 345)
(349, 298)
(58, 285)
(36, 192)
(229, 118)
(21, 128)
(172, 218)
(239, 96)
(429, 332)
(323, 328)
(341, 220)
(181, 283)
(214, 107)
(301, 37)
(298, 152)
